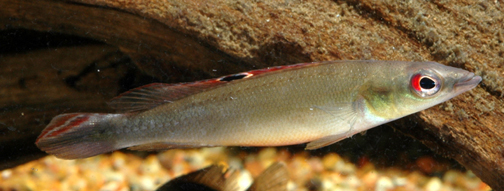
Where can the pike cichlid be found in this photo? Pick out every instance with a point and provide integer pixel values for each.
(320, 103)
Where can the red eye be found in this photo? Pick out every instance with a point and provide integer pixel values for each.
(415, 82)
(425, 85)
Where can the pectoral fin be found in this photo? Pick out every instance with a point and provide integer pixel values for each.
(342, 112)
(349, 112)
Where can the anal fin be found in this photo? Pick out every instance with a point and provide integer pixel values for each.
(157, 146)
(324, 141)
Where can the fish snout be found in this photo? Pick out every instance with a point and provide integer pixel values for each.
(467, 82)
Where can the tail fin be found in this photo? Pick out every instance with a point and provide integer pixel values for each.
(78, 135)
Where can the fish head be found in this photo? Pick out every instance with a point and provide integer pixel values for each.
(406, 88)
(430, 83)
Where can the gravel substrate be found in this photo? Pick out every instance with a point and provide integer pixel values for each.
(121, 172)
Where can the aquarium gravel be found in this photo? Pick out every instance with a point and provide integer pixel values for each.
(120, 171)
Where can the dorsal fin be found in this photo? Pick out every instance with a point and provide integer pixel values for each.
(153, 95)
(210, 178)
(274, 178)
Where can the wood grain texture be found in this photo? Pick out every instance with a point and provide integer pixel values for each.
(179, 40)
(38, 85)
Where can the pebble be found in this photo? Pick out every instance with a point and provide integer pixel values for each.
(112, 176)
(291, 186)
(299, 169)
(399, 181)
(195, 160)
(434, 184)
(254, 168)
(267, 154)
(235, 163)
(369, 179)
(450, 176)
(6, 174)
(150, 165)
(331, 180)
(316, 165)
(147, 183)
(473, 183)
(118, 160)
(426, 164)
(352, 181)
(329, 161)
(384, 184)
(111, 186)
(244, 179)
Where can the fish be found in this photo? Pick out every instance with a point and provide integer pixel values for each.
(215, 178)
(317, 103)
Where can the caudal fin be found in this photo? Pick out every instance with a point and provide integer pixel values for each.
(78, 135)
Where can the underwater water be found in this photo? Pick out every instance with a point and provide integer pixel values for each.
(362, 162)
(44, 74)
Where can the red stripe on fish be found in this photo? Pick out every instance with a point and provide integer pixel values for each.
(62, 123)
(260, 71)
(71, 123)
(277, 68)
(71, 136)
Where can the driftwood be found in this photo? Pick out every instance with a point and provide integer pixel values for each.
(174, 40)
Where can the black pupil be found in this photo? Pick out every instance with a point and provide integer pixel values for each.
(427, 83)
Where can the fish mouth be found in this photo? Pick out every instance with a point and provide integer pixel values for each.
(467, 82)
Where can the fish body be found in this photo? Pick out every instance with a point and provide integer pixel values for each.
(320, 103)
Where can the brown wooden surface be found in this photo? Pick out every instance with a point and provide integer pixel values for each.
(36, 86)
(180, 40)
